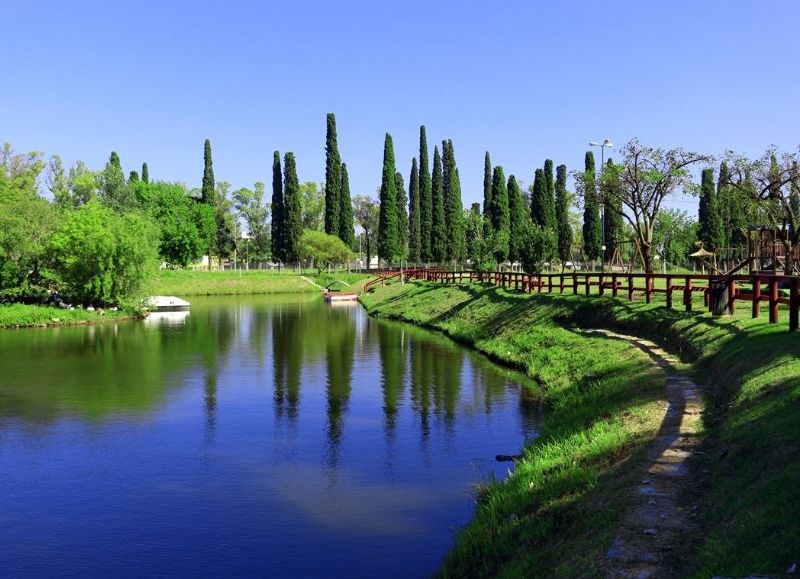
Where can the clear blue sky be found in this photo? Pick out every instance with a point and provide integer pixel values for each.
(524, 80)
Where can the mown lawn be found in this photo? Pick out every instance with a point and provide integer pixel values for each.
(29, 315)
(208, 283)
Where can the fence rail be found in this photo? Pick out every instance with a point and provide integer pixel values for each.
(720, 292)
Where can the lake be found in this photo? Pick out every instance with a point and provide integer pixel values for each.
(254, 436)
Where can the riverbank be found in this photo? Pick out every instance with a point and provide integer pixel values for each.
(557, 514)
(30, 316)
(184, 283)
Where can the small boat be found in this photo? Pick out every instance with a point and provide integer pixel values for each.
(336, 297)
(166, 304)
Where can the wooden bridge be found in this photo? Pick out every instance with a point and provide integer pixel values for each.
(720, 293)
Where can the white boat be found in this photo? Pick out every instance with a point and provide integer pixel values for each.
(166, 304)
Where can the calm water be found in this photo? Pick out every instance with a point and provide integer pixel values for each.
(251, 437)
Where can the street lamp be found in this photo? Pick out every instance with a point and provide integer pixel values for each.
(609, 144)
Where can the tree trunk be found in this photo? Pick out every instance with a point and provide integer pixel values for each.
(647, 258)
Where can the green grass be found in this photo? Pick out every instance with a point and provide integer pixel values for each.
(27, 315)
(557, 513)
(183, 283)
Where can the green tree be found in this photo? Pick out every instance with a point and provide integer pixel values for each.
(145, 173)
(563, 227)
(549, 196)
(414, 225)
(277, 228)
(425, 199)
(312, 202)
(113, 189)
(388, 234)
(323, 250)
(539, 210)
(293, 224)
(253, 209)
(709, 219)
(133, 177)
(439, 226)
(209, 186)
(500, 216)
(592, 232)
(57, 181)
(346, 231)
(454, 209)
(367, 215)
(613, 227)
(333, 178)
(538, 248)
(224, 241)
(402, 215)
(487, 196)
(674, 235)
(518, 219)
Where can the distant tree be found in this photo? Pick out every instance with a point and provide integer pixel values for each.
(613, 226)
(112, 187)
(388, 234)
(454, 209)
(293, 224)
(487, 195)
(518, 219)
(346, 231)
(563, 228)
(439, 227)
(674, 235)
(312, 204)
(209, 186)
(145, 173)
(133, 177)
(57, 181)
(253, 209)
(538, 248)
(333, 178)
(323, 250)
(367, 214)
(709, 218)
(425, 199)
(500, 217)
(736, 209)
(278, 226)
(402, 216)
(224, 241)
(414, 223)
(474, 234)
(592, 226)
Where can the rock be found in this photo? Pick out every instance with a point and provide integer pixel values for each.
(55, 320)
(650, 531)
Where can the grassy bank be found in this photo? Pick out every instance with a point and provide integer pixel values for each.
(23, 315)
(557, 514)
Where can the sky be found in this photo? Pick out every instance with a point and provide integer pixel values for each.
(525, 81)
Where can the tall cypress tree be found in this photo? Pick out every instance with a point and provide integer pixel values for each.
(454, 209)
(207, 195)
(333, 178)
(414, 232)
(487, 196)
(710, 220)
(346, 231)
(293, 224)
(278, 225)
(439, 229)
(402, 215)
(133, 177)
(388, 235)
(592, 232)
(425, 199)
(549, 198)
(563, 227)
(500, 216)
(518, 219)
(539, 211)
(613, 227)
(145, 173)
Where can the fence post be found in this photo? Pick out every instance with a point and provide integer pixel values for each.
(600, 287)
(574, 283)
(648, 280)
(756, 297)
(630, 287)
(773, 300)
(732, 296)
(614, 285)
(794, 304)
(587, 283)
(687, 294)
(669, 291)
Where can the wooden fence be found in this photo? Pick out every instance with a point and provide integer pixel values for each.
(772, 290)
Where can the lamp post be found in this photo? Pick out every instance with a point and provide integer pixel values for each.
(603, 145)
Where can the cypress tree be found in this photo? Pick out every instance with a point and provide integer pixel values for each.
(439, 229)
(710, 220)
(207, 195)
(733, 209)
(425, 199)
(499, 213)
(133, 177)
(293, 224)
(145, 173)
(549, 198)
(346, 231)
(613, 226)
(277, 228)
(402, 215)
(563, 227)
(518, 219)
(388, 238)
(539, 200)
(592, 233)
(414, 232)
(454, 209)
(487, 196)
(333, 178)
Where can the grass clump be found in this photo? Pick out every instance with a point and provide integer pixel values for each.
(183, 282)
(13, 315)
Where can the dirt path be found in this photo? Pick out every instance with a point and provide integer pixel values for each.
(655, 524)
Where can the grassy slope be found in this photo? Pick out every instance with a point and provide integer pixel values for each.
(28, 315)
(560, 509)
(749, 502)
